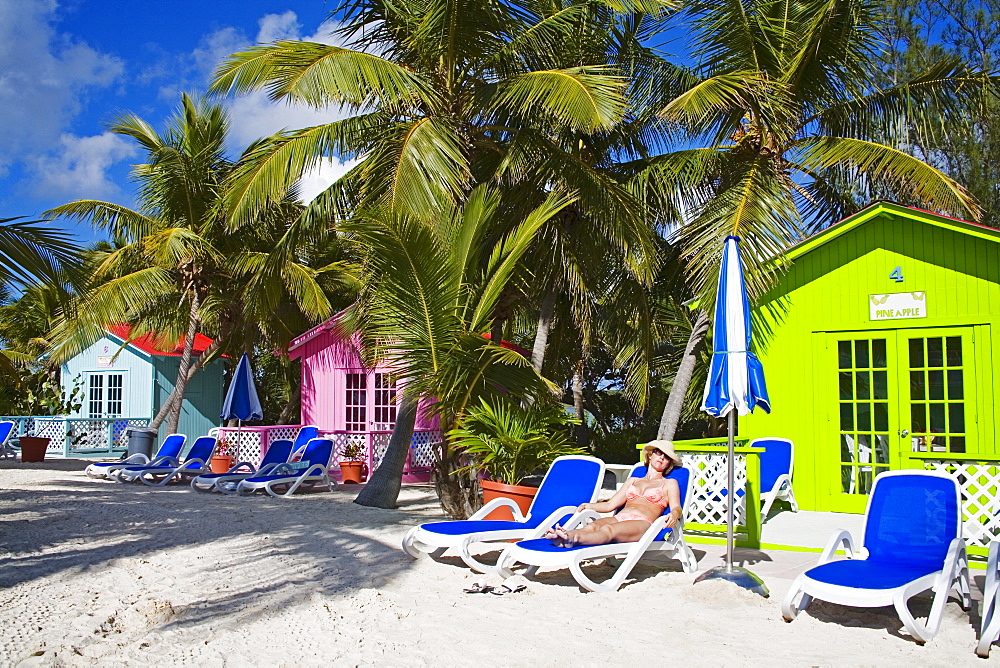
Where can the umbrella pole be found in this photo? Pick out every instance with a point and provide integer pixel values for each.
(730, 485)
(738, 576)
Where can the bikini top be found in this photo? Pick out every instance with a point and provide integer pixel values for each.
(654, 496)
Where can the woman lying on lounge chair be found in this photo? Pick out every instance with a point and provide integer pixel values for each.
(643, 499)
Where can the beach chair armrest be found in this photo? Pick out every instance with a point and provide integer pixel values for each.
(236, 467)
(954, 560)
(581, 518)
(164, 460)
(780, 482)
(992, 567)
(315, 469)
(842, 537)
(551, 520)
(137, 458)
(498, 503)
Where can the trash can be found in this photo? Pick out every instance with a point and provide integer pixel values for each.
(140, 440)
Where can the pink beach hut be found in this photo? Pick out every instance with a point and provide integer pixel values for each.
(354, 404)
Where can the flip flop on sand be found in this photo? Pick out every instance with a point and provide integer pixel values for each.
(504, 589)
(477, 588)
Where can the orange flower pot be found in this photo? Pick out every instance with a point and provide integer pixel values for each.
(352, 472)
(33, 448)
(220, 463)
(519, 494)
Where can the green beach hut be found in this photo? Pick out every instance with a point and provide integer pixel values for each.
(879, 344)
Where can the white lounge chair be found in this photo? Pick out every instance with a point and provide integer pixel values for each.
(990, 627)
(312, 470)
(570, 481)
(195, 463)
(278, 452)
(167, 454)
(776, 464)
(913, 537)
(538, 552)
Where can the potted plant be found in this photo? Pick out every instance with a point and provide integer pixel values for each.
(508, 443)
(33, 448)
(221, 460)
(352, 467)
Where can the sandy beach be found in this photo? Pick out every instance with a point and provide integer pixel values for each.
(94, 572)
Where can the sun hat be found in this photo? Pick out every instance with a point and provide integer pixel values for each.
(664, 446)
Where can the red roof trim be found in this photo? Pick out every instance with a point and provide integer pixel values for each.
(148, 345)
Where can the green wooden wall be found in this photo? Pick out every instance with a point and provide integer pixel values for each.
(202, 397)
(823, 300)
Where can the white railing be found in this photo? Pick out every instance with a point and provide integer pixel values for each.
(979, 485)
(250, 444)
(78, 436)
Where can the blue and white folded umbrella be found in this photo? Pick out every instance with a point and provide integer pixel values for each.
(736, 376)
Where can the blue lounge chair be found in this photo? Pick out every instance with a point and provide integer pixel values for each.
(195, 463)
(570, 481)
(6, 431)
(913, 536)
(167, 454)
(990, 629)
(278, 452)
(311, 470)
(776, 464)
(538, 552)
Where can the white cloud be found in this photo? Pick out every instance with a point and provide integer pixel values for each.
(319, 179)
(254, 116)
(278, 26)
(78, 169)
(43, 78)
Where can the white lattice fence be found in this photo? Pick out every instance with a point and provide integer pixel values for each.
(422, 448)
(708, 487)
(340, 441)
(243, 445)
(380, 443)
(979, 486)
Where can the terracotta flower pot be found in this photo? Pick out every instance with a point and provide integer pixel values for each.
(519, 494)
(352, 472)
(220, 463)
(33, 448)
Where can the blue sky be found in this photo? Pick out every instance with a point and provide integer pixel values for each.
(67, 67)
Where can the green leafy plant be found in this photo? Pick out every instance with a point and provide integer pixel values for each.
(223, 447)
(352, 451)
(511, 442)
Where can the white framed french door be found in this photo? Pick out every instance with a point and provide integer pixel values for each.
(107, 394)
(370, 401)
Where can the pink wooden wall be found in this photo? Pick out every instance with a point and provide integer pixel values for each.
(327, 357)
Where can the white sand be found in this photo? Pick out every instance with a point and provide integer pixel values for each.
(95, 572)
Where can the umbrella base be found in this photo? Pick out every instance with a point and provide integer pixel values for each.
(738, 576)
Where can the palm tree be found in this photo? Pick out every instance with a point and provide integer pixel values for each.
(786, 130)
(430, 296)
(176, 269)
(38, 260)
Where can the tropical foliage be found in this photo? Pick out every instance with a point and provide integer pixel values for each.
(176, 269)
(510, 442)
(539, 172)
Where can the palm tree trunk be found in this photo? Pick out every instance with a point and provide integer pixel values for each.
(383, 486)
(544, 326)
(292, 408)
(678, 391)
(458, 492)
(182, 370)
(582, 436)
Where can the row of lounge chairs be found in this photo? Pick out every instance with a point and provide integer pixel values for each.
(912, 543)
(286, 466)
